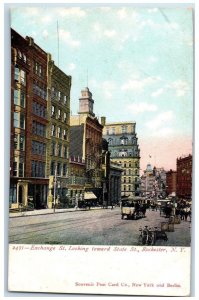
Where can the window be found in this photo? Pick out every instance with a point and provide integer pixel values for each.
(53, 148)
(16, 97)
(38, 129)
(124, 179)
(65, 118)
(21, 169)
(59, 132)
(38, 148)
(16, 73)
(129, 179)
(65, 99)
(113, 130)
(52, 168)
(129, 188)
(15, 168)
(59, 95)
(124, 129)
(65, 152)
(107, 131)
(13, 193)
(18, 167)
(53, 111)
(16, 119)
(23, 77)
(59, 148)
(65, 134)
(58, 168)
(59, 114)
(21, 142)
(38, 169)
(22, 121)
(64, 169)
(53, 130)
(124, 187)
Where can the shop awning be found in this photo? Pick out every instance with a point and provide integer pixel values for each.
(89, 196)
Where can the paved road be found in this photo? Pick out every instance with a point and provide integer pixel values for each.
(93, 227)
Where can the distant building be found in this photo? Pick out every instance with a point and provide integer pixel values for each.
(147, 182)
(184, 177)
(171, 182)
(77, 180)
(124, 149)
(153, 182)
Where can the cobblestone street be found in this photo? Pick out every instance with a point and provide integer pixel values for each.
(91, 227)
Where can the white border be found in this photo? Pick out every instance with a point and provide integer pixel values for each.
(4, 134)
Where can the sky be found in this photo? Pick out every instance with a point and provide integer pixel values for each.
(137, 62)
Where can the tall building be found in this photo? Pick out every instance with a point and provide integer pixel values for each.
(86, 141)
(33, 144)
(59, 85)
(124, 149)
(184, 177)
(29, 122)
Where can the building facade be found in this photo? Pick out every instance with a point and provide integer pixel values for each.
(171, 182)
(86, 141)
(184, 177)
(124, 149)
(77, 181)
(59, 85)
(28, 180)
(34, 145)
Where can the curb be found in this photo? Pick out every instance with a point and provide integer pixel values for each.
(24, 214)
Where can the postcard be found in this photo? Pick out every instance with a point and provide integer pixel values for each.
(101, 129)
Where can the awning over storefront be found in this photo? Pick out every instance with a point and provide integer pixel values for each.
(89, 196)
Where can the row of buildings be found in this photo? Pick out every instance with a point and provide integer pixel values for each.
(56, 157)
(158, 183)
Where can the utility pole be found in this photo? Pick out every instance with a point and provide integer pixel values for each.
(55, 186)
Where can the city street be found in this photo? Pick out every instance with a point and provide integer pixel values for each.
(91, 227)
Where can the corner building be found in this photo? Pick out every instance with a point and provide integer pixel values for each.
(29, 121)
(124, 149)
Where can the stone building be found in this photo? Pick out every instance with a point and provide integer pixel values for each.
(147, 182)
(59, 85)
(124, 149)
(77, 180)
(184, 177)
(86, 141)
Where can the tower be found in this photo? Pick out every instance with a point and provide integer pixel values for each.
(86, 102)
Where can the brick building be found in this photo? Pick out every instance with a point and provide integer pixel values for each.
(184, 177)
(33, 77)
(28, 123)
(86, 141)
(171, 181)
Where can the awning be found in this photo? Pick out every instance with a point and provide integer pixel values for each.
(89, 196)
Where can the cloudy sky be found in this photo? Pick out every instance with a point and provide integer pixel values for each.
(137, 62)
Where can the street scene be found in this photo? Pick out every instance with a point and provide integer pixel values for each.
(97, 226)
(101, 135)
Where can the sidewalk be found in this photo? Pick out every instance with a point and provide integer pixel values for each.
(47, 211)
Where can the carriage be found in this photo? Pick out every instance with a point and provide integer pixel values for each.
(133, 208)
